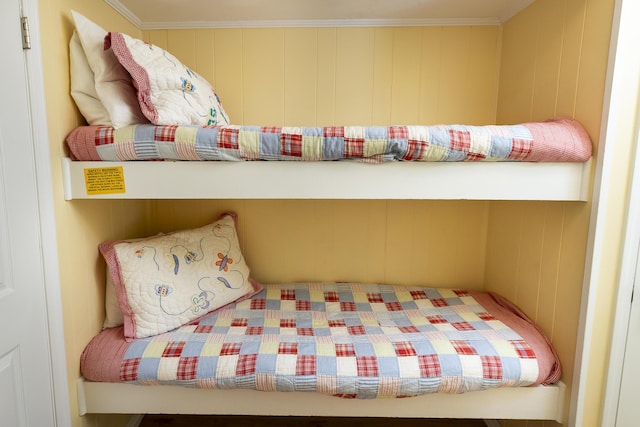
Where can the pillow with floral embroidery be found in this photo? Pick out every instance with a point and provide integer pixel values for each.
(169, 93)
(168, 280)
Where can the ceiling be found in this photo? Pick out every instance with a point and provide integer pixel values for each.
(158, 14)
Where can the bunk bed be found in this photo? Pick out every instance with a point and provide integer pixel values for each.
(156, 158)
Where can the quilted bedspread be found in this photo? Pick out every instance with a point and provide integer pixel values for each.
(347, 340)
(558, 140)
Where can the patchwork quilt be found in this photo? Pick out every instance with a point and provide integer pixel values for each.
(559, 140)
(341, 339)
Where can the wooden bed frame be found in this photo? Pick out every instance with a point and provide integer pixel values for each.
(528, 403)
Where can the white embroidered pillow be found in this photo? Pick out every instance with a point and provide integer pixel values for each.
(169, 92)
(166, 281)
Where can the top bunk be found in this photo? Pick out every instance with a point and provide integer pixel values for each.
(157, 130)
(532, 161)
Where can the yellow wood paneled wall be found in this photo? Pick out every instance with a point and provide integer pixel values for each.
(554, 61)
(345, 76)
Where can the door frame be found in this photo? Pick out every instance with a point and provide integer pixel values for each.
(625, 86)
(42, 161)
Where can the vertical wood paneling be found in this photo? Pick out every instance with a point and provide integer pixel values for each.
(354, 75)
(383, 76)
(300, 76)
(182, 44)
(573, 29)
(406, 60)
(430, 71)
(263, 76)
(326, 85)
(228, 68)
(205, 54)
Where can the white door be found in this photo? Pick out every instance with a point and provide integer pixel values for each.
(26, 385)
(628, 410)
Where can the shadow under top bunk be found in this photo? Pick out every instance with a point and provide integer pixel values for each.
(532, 161)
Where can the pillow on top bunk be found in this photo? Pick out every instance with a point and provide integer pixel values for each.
(168, 280)
(83, 87)
(169, 93)
(112, 83)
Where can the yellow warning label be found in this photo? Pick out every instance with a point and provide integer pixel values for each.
(109, 180)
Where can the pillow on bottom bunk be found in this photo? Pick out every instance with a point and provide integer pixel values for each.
(165, 281)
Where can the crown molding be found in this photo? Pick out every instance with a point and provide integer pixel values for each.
(168, 25)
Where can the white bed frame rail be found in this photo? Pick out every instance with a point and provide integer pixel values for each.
(527, 403)
(326, 180)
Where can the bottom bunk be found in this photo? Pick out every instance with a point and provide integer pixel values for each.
(334, 349)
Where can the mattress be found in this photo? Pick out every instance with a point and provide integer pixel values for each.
(557, 140)
(349, 340)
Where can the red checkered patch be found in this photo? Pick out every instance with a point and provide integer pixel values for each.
(306, 364)
(523, 349)
(419, 295)
(415, 149)
(439, 302)
(461, 292)
(367, 366)
(246, 364)
(491, 367)
(463, 326)
(354, 147)
(459, 140)
(129, 369)
(288, 348)
(394, 306)
(520, 149)
(230, 349)
(398, 132)
(345, 350)
(337, 324)
(104, 136)
(333, 132)
(239, 322)
(404, 348)
(288, 295)
(429, 366)
(409, 329)
(187, 368)
(331, 296)
(258, 304)
(291, 144)
(287, 323)
(270, 129)
(203, 329)
(348, 306)
(165, 133)
(463, 347)
(486, 316)
(475, 157)
(228, 138)
(303, 305)
(436, 319)
(373, 298)
(305, 332)
(254, 330)
(173, 349)
(356, 330)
